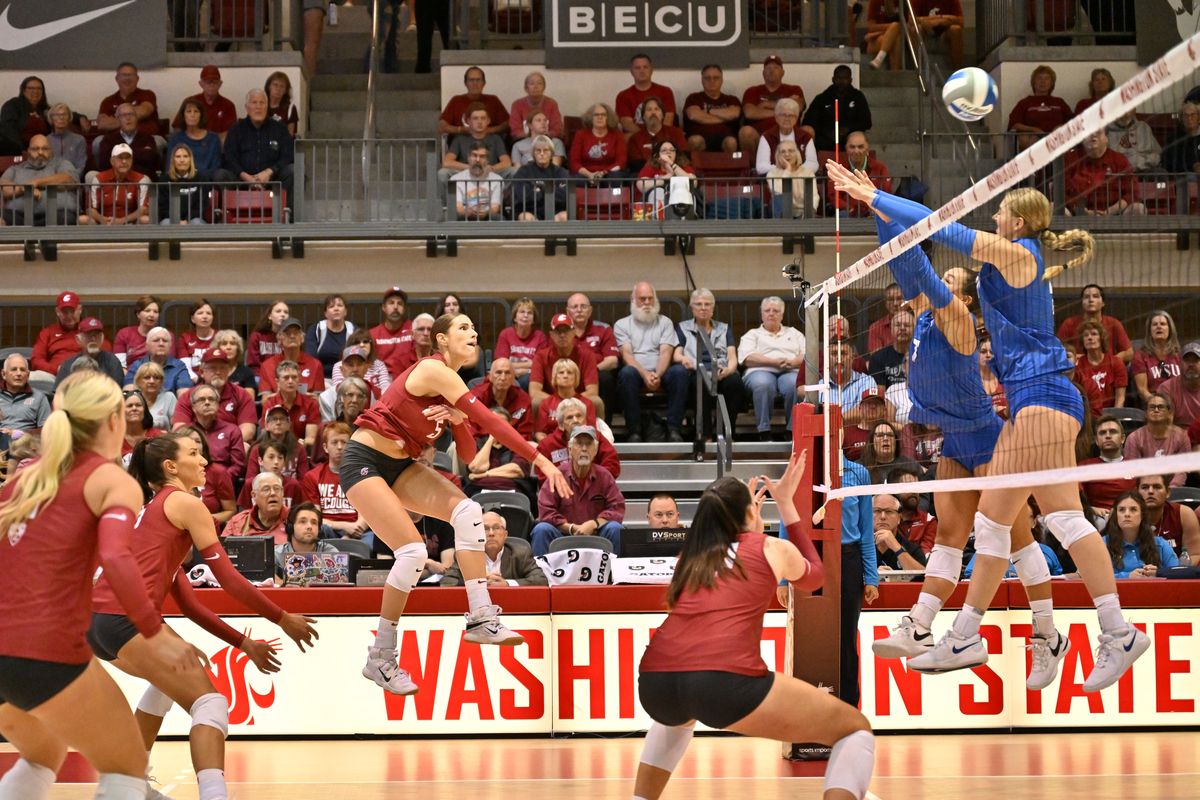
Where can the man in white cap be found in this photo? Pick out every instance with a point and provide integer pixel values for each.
(118, 196)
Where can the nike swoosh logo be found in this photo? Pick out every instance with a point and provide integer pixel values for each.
(1132, 642)
(958, 650)
(13, 38)
(212, 558)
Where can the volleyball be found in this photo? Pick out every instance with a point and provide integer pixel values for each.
(969, 94)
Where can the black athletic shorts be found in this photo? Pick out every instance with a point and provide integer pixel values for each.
(109, 633)
(360, 462)
(29, 682)
(718, 699)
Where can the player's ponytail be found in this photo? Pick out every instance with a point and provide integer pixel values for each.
(705, 556)
(83, 402)
(146, 461)
(1081, 241)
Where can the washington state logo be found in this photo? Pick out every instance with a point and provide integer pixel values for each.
(229, 673)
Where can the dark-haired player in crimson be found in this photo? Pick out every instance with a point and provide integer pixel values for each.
(70, 509)
(383, 480)
(704, 662)
(169, 469)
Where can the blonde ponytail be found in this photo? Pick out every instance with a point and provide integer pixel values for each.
(83, 402)
(1068, 240)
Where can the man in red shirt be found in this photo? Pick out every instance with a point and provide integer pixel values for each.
(143, 145)
(453, 119)
(1184, 388)
(858, 156)
(118, 196)
(291, 340)
(234, 404)
(710, 117)
(323, 488)
(1041, 112)
(56, 342)
(1099, 180)
(872, 408)
(420, 344)
(1110, 439)
(220, 112)
(758, 103)
(918, 526)
(500, 389)
(641, 144)
(629, 100)
(599, 338)
(563, 344)
(394, 333)
(879, 335)
(1174, 522)
(144, 102)
(302, 409)
(596, 507)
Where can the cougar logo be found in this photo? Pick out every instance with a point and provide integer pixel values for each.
(229, 677)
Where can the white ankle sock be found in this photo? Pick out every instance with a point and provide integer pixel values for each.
(880, 57)
(114, 786)
(26, 781)
(385, 633)
(967, 622)
(927, 607)
(212, 784)
(1043, 618)
(1108, 608)
(477, 594)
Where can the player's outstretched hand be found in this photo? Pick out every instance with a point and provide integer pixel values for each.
(558, 481)
(783, 491)
(299, 629)
(262, 654)
(852, 182)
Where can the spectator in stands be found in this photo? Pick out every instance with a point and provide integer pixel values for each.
(647, 340)
(598, 150)
(848, 383)
(710, 117)
(1091, 301)
(854, 112)
(759, 102)
(454, 118)
(421, 344)
(143, 101)
(858, 156)
(1100, 84)
(118, 196)
(22, 408)
(263, 342)
(265, 517)
(258, 149)
(564, 377)
(279, 101)
(219, 112)
(195, 135)
(991, 384)
(303, 528)
(159, 344)
(1134, 139)
(882, 456)
(940, 19)
(573, 412)
(89, 338)
(1099, 367)
(217, 492)
(886, 366)
(302, 410)
(147, 158)
(596, 506)
(36, 174)
(539, 126)
(600, 339)
(1110, 441)
(291, 343)
(629, 100)
(353, 396)
(57, 341)
(917, 525)
(139, 424)
(872, 408)
(1160, 436)
(1182, 154)
(500, 389)
(478, 191)
(326, 340)
(879, 334)
(789, 163)
(520, 119)
(217, 369)
(509, 562)
(1158, 357)
(691, 355)
(353, 365)
(893, 549)
(651, 133)
(540, 178)
(372, 370)
(1136, 551)
(477, 135)
(1098, 180)
(663, 512)
(276, 450)
(883, 35)
(159, 402)
(322, 486)
(787, 115)
(655, 176)
(495, 468)
(520, 341)
(772, 355)
(564, 344)
(192, 343)
(224, 438)
(1039, 113)
(1174, 522)
(23, 117)
(183, 181)
(64, 142)
(394, 333)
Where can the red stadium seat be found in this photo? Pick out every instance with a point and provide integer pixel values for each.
(234, 19)
(1163, 126)
(514, 17)
(249, 206)
(1160, 197)
(570, 126)
(603, 203)
(721, 165)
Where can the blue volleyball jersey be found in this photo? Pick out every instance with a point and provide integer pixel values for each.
(943, 384)
(1021, 323)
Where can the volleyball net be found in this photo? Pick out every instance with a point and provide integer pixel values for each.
(1120, 171)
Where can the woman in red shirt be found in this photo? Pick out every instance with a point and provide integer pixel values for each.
(521, 340)
(130, 342)
(704, 662)
(1100, 368)
(1157, 360)
(598, 151)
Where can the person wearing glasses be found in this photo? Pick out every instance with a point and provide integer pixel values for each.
(509, 562)
(893, 549)
(266, 517)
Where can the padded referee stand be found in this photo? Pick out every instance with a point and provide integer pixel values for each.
(813, 649)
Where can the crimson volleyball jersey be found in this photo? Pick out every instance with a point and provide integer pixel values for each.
(159, 547)
(719, 629)
(400, 416)
(46, 567)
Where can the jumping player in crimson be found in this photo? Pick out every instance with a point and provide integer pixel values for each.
(383, 481)
(1046, 415)
(704, 662)
(59, 516)
(169, 468)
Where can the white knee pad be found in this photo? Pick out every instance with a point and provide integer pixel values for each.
(945, 562)
(154, 702)
(1030, 564)
(211, 709)
(1069, 527)
(665, 745)
(992, 538)
(851, 763)
(467, 520)
(407, 568)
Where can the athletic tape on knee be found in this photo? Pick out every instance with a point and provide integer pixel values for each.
(945, 562)
(467, 520)
(1069, 527)
(211, 709)
(992, 538)
(154, 702)
(851, 763)
(407, 568)
(665, 745)
(1030, 564)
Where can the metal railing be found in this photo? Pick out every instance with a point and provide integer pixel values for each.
(378, 180)
(1052, 22)
(707, 384)
(222, 24)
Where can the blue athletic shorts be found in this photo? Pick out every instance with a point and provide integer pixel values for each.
(1048, 391)
(974, 448)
